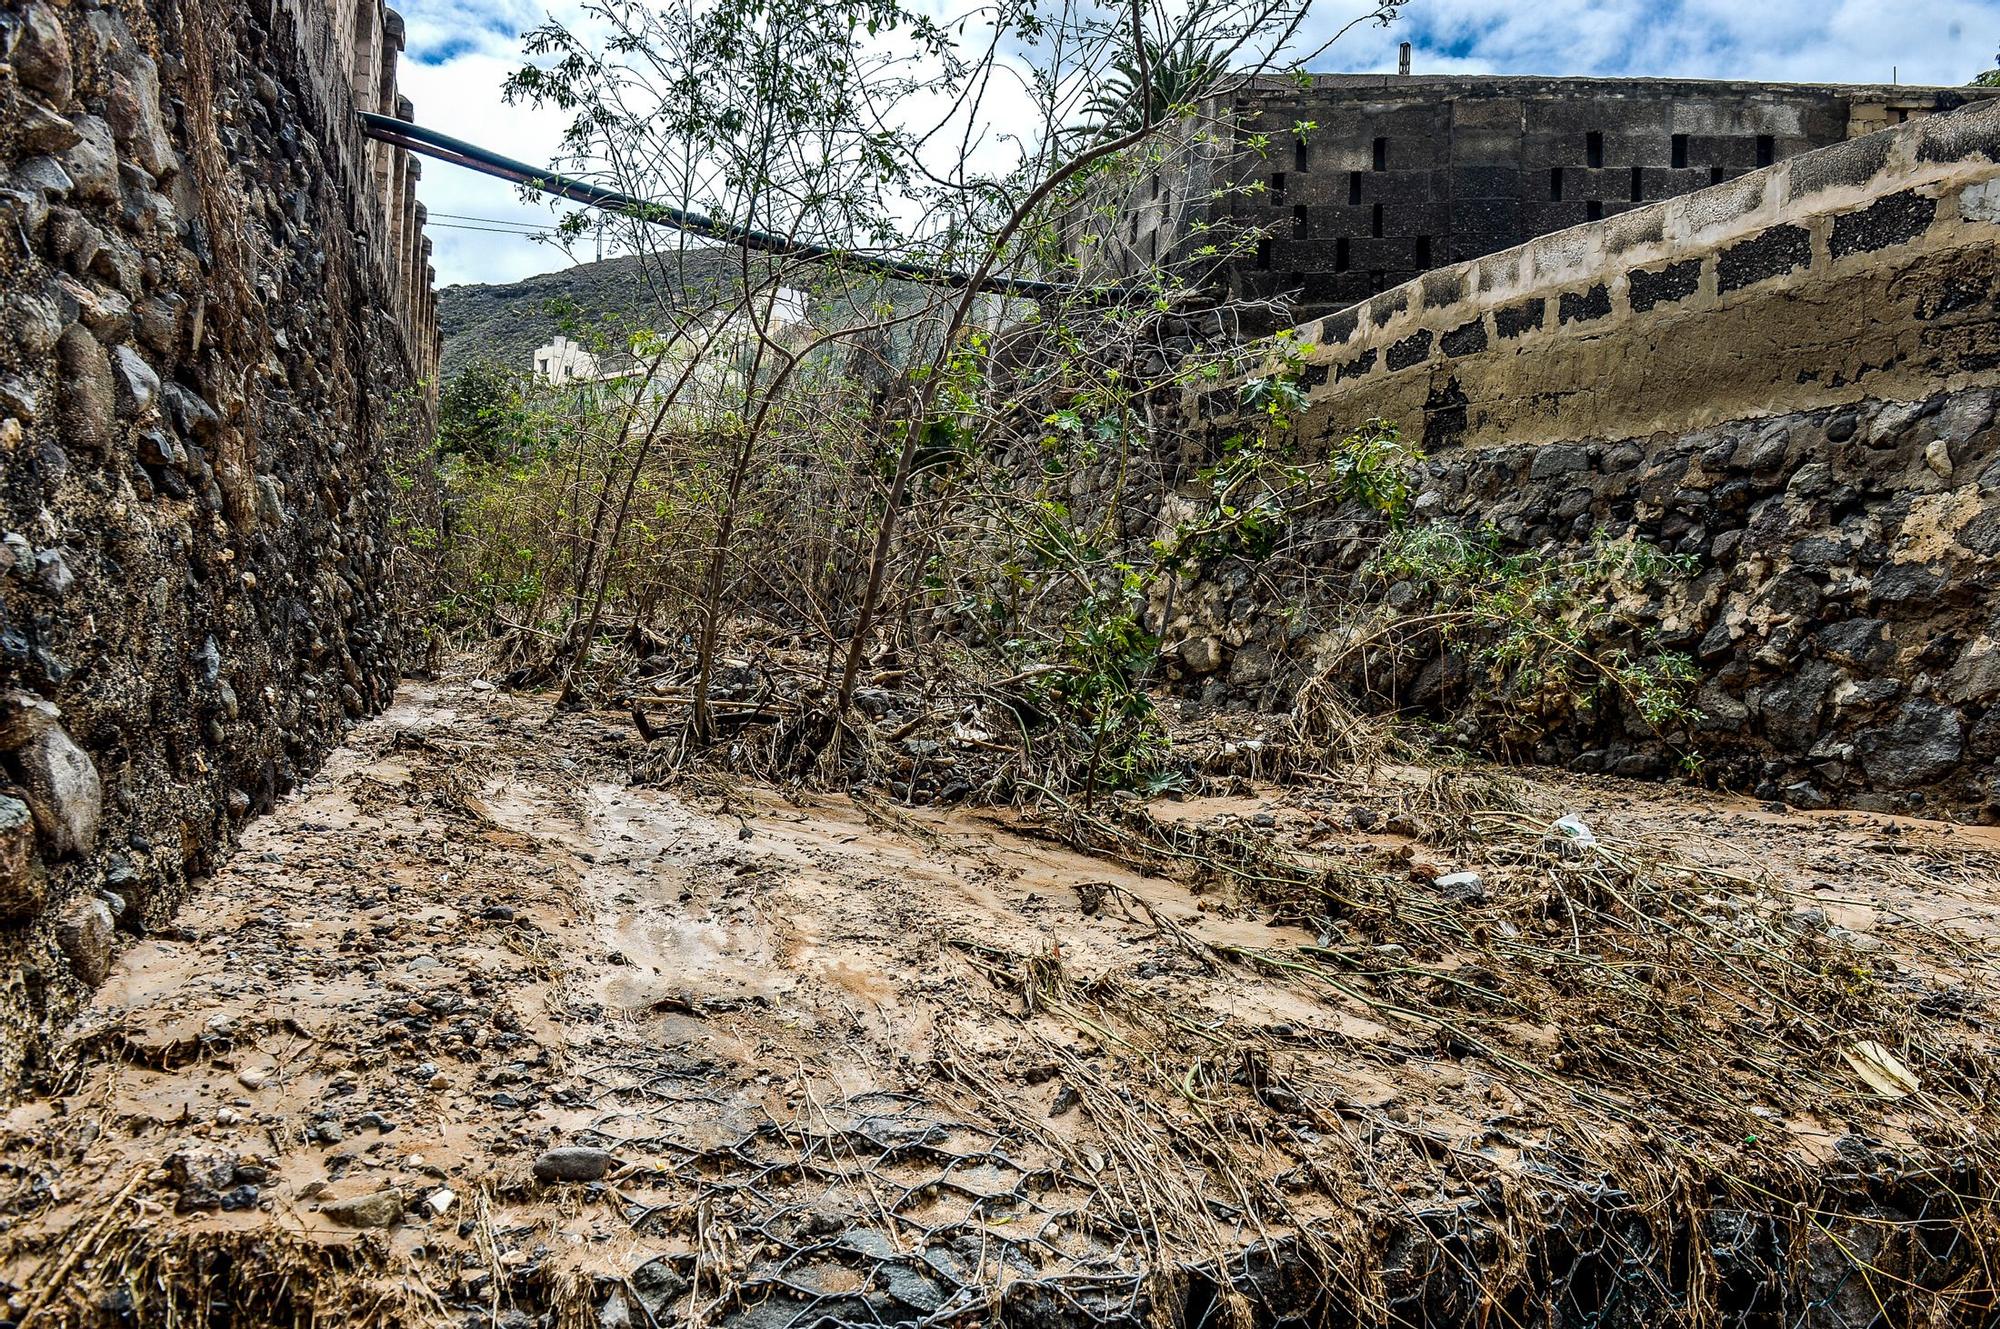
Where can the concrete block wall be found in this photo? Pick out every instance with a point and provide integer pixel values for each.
(1822, 279)
(1357, 184)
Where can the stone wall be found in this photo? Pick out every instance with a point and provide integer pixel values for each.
(1791, 380)
(217, 323)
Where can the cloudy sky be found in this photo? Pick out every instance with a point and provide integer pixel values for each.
(459, 50)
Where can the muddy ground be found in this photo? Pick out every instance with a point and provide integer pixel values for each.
(474, 1031)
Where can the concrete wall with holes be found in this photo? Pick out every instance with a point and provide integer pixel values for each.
(1398, 175)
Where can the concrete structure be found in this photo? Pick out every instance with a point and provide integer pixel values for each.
(562, 361)
(1356, 184)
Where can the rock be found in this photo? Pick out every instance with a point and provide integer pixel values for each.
(85, 930)
(1976, 676)
(41, 57)
(31, 322)
(92, 162)
(22, 210)
(1919, 746)
(194, 415)
(270, 501)
(43, 177)
(573, 1163)
(136, 384)
(376, 1209)
(23, 886)
(1861, 642)
(1202, 655)
(1558, 459)
(52, 573)
(1791, 706)
(119, 263)
(133, 110)
(43, 130)
(89, 401)
(1805, 795)
(1462, 887)
(18, 399)
(1937, 456)
(74, 239)
(158, 323)
(61, 781)
(203, 1165)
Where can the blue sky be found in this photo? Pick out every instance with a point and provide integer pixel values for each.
(459, 50)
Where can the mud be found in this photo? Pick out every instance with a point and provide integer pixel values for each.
(857, 1063)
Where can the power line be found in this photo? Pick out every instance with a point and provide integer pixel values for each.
(493, 230)
(498, 221)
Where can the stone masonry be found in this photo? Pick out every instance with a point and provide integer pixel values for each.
(218, 331)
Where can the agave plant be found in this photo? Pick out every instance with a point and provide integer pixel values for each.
(1180, 64)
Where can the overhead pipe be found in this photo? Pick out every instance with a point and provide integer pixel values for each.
(443, 147)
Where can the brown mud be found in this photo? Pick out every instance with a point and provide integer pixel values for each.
(833, 1061)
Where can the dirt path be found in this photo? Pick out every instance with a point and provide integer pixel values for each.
(473, 1031)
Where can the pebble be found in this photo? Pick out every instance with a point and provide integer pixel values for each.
(573, 1163)
(376, 1209)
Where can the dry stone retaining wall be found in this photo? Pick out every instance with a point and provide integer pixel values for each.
(216, 319)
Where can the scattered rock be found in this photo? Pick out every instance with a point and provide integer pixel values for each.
(31, 321)
(23, 885)
(85, 931)
(60, 779)
(376, 1209)
(573, 1163)
(92, 162)
(1202, 655)
(1922, 743)
(41, 55)
(202, 1165)
(136, 384)
(1462, 887)
(89, 399)
(133, 110)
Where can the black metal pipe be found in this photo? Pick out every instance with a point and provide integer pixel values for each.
(443, 147)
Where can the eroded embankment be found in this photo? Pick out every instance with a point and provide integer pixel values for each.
(826, 1061)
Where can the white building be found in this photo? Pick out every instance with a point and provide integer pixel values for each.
(563, 361)
(724, 341)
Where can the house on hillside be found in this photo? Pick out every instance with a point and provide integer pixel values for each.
(703, 363)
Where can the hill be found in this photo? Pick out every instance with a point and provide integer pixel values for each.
(506, 322)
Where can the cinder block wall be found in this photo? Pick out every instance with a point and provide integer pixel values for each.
(1398, 175)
